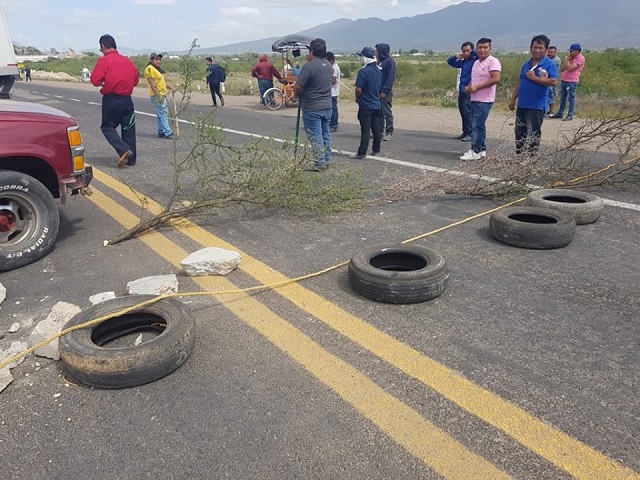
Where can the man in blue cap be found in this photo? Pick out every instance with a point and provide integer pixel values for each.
(368, 84)
(571, 69)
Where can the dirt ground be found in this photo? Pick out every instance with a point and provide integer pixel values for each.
(406, 117)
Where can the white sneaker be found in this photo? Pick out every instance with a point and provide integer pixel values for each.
(471, 155)
(483, 154)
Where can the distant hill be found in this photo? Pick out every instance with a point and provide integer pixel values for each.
(509, 23)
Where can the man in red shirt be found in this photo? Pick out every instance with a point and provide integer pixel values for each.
(264, 71)
(117, 75)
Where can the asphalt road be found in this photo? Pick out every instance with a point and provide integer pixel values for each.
(526, 367)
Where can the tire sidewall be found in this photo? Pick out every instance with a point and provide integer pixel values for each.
(24, 188)
(586, 212)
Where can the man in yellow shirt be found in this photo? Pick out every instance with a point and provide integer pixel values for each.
(158, 92)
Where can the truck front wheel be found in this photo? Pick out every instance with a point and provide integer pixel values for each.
(29, 220)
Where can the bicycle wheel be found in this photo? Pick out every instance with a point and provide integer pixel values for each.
(273, 98)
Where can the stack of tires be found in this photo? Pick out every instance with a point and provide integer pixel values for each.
(547, 219)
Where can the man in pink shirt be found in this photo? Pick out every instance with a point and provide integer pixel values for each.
(485, 76)
(571, 69)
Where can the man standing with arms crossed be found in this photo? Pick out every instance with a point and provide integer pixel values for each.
(464, 61)
(537, 76)
(571, 69)
(485, 75)
(117, 75)
(388, 67)
(313, 88)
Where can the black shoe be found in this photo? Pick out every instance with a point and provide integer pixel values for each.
(459, 137)
(160, 135)
(358, 156)
(375, 153)
(168, 137)
(221, 102)
(556, 115)
(466, 138)
(333, 129)
(316, 168)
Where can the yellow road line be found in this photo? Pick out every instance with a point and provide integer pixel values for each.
(575, 457)
(407, 427)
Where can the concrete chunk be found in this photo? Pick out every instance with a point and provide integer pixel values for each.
(14, 349)
(155, 285)
(101, 297)
(60, 314)
(14, 327)
(5, 378)
(3, 293)
(211, 261)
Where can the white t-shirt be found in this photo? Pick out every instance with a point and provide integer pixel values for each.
(335, 89)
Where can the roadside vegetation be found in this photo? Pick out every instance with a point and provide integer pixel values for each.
(610, 80)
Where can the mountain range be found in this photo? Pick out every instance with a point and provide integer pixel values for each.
(509, 23)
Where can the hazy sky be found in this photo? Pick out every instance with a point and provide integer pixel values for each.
(173, 24)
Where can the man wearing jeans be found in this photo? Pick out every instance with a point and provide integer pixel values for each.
(464, 61)
(158, 94)
(571, 69)
(537, 76)
(485, 75)
(313, 87)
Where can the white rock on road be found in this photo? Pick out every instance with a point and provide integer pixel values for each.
(5, 378)
(211, 261)
(155, 285)
(3, 293)
(14, 327)
(60, 314)
(15, 348)
(101, 297)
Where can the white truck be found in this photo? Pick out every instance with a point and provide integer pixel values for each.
(9, 72)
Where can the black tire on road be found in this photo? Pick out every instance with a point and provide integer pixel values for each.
(583, 207)
(88, 361)
(532, 227)
(398, 273)
(29, 220)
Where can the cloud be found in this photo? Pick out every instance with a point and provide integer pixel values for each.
(240, 11)
(154, 2)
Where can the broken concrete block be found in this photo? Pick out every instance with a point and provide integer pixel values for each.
(5, 378)
(3, 293)
(211, 261)
(14, 327)
(155, 285)
(60, 314)
(101, 297)
(14, 349)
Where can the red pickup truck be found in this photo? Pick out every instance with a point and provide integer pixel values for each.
(41, 159)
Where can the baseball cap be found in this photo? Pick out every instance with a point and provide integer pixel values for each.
(155, 55)
(366, 52)
(575, 46)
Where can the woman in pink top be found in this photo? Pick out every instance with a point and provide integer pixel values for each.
(485, 76)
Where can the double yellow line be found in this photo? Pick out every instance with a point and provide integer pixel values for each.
(407, 427)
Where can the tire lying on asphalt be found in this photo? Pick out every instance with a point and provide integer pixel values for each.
(87, 358)
(583, 207)
(398, 273)
(29, 220)
(532, 227)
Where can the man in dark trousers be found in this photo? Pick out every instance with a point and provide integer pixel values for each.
(214, 78)
(537, 75)
(264, 71)
(388, 67)
(368, 98)
(117, 75)
(464, 61)
(27, 74)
